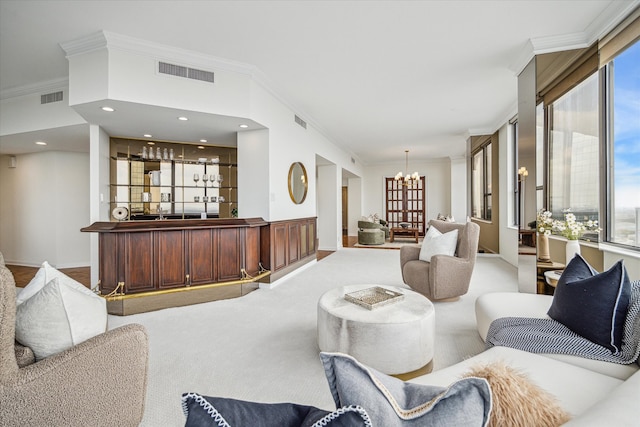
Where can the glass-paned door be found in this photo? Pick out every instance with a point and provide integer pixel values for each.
(405, 202)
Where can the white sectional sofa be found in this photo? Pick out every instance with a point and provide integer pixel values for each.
(595, 393)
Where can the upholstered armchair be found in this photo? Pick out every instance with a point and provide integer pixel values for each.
(100, 382)
(372, 233)
(444, 277)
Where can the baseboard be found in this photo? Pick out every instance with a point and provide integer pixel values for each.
(282, 278)
(143, 304)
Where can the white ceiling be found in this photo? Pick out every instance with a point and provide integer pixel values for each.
(376, 77)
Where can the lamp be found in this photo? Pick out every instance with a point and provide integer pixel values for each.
(523, 173)
(409, 178)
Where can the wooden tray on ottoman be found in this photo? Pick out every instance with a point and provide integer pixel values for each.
(374, 297)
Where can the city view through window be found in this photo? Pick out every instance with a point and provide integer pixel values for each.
(625, 215)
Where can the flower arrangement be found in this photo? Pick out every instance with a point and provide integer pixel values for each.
(569, 228)
(544, 222)
(572, 229)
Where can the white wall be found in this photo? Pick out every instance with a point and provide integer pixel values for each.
(44, 203)
(288, 143)
(89, 77)
(438, 178)
(99, 193)
(458, 187)
(26, 114)
(631, 261)
(253, 177)
(329, 215)
(128, 76)
(354, 189)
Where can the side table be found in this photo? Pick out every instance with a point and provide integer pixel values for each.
(403, 231)
(541, 269)
(552, 276)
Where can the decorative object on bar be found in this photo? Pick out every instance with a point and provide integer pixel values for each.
(154, 177)
(409, 179)
(120, 213)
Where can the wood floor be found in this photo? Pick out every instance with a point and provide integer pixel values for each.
(23, 275)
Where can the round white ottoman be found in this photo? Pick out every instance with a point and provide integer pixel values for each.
(394, 339)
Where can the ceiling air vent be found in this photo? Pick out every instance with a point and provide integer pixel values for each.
(51, 97)
(301, 122)
(186, 72)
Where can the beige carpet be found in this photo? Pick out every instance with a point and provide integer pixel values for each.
(262, 347)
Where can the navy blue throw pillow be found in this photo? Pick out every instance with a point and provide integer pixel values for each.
(203, 411)
(591, 304)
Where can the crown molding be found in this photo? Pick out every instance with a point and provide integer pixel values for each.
(86, 44)
(615, 13)
(36, 88)
(612, 15)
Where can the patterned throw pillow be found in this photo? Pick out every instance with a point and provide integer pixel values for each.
(203, 411)
(593, 305)
(391, 402)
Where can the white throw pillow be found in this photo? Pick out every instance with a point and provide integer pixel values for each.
(58, 316)
(45, 274)
(436, 243)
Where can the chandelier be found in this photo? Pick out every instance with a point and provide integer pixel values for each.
(409, 178)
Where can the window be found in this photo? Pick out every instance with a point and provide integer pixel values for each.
(623, 114)
(481, 183)
(574, 152)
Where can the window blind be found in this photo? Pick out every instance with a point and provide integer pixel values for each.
(624, 35)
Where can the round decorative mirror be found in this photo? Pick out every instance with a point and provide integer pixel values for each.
(297, 182)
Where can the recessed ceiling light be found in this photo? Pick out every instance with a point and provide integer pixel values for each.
(244, 126)
(151, 143)
(108, 109)
(203, 140)
(201, 147)
(147, 135)
(183, 118)
(41, 143)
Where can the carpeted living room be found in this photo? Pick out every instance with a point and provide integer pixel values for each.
(263, 347)
(319, 213)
